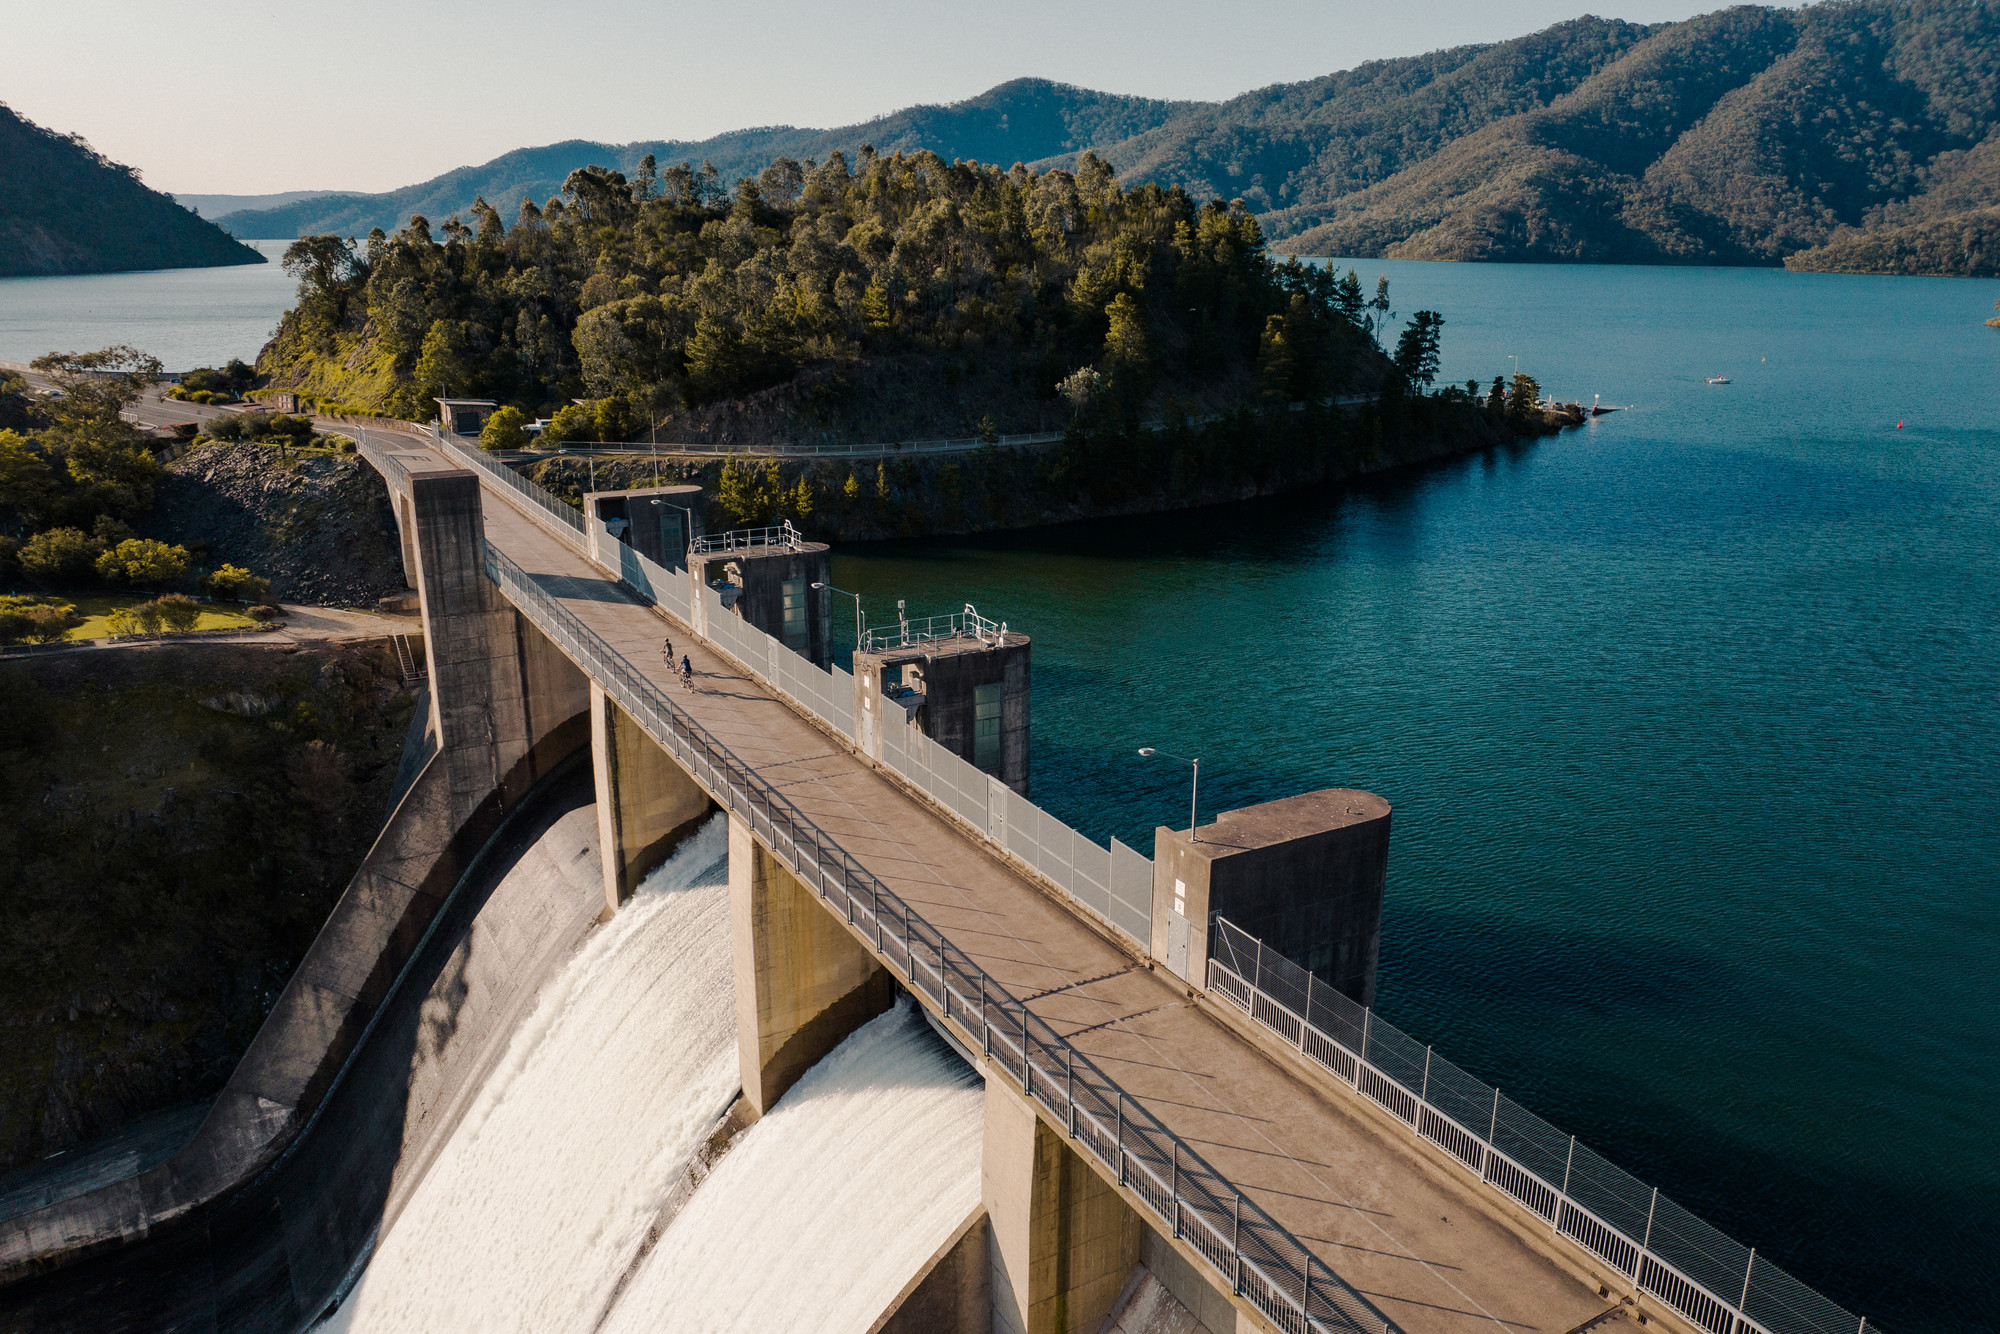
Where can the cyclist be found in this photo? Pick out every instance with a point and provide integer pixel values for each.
(687, 673)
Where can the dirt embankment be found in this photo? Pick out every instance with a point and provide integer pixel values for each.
(318, 526)
(175, 824)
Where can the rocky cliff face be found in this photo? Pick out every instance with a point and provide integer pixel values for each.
(318, 526)
(176, 821)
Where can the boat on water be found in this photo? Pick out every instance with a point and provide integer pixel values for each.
(1717, 379)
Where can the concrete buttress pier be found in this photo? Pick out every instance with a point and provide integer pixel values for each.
(803, 982)
(506, 705)
(646, 803)
(1062, 1241)
(1304, 875)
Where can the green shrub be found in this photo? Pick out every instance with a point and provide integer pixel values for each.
(505, 429)
(177, 611)
(140, 620)
(265, 613)
(236, 584)
(57, 556)
(49, 622)
(572, 424)
(144, 562)
(14, 622)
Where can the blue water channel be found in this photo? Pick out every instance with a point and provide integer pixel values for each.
(1689, 718)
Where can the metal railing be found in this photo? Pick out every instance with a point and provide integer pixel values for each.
(1715, 1282)
(747, 539)
(703, 449)
(1256, 1256)
(567, 520)
(967, 624)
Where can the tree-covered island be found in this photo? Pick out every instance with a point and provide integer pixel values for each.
(893, 298)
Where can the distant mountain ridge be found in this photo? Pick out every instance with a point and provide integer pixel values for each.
(66, 208)
(1024, 120)
(1859, 135)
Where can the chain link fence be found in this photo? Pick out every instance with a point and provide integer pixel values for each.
(1718, 1284)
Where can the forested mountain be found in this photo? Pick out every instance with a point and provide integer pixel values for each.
(1021, 121)
(66, 208)
(1745, 136)
(1841, 135)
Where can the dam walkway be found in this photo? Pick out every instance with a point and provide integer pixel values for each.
(1272, 1176)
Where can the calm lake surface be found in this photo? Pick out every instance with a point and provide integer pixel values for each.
(185, 317)
(1689, 718)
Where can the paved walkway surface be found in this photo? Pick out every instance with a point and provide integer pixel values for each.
(1417, 1241)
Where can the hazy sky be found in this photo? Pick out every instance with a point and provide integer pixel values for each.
(249, 96)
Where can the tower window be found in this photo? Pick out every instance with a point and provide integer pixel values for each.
(797, 636)
(986, 727)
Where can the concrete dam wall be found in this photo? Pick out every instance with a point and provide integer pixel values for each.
(271, 1254)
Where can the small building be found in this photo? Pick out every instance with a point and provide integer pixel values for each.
(464, 416)
(658, 522)
(961, 680)
(772, 578)
(285, 400)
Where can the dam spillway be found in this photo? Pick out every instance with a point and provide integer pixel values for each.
(544, 1191)
(828, 1205)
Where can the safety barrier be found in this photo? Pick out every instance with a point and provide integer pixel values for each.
(1716, 1283)
(1251, 1252)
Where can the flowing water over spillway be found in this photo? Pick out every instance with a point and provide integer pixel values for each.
(544, 1192)
(830, 1204)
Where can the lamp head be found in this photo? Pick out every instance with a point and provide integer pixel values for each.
(1148, 751)
(818, 584)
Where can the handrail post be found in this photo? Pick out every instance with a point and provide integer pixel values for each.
(1424, 1093)
(1069, 1085)
(1751, 1265)
(1174, 1178)
(1118, 1102)
(1562, 1196)
(1236, 1246)
(985, 1025)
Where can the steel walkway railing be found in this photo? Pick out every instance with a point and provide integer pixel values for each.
(1251, 1252)
(1717, 1283)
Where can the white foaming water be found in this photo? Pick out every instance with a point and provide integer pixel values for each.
(830, 1204)
(543, 1194)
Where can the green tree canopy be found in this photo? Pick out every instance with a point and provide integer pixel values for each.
(143, 562)
(505, 429)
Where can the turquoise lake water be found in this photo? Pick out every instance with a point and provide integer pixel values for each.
(1689, 718)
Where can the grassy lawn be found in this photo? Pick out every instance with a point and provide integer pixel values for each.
(96, 609)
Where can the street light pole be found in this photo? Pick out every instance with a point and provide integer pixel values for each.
(687, 534)
(1194, 793)
(857, 609)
